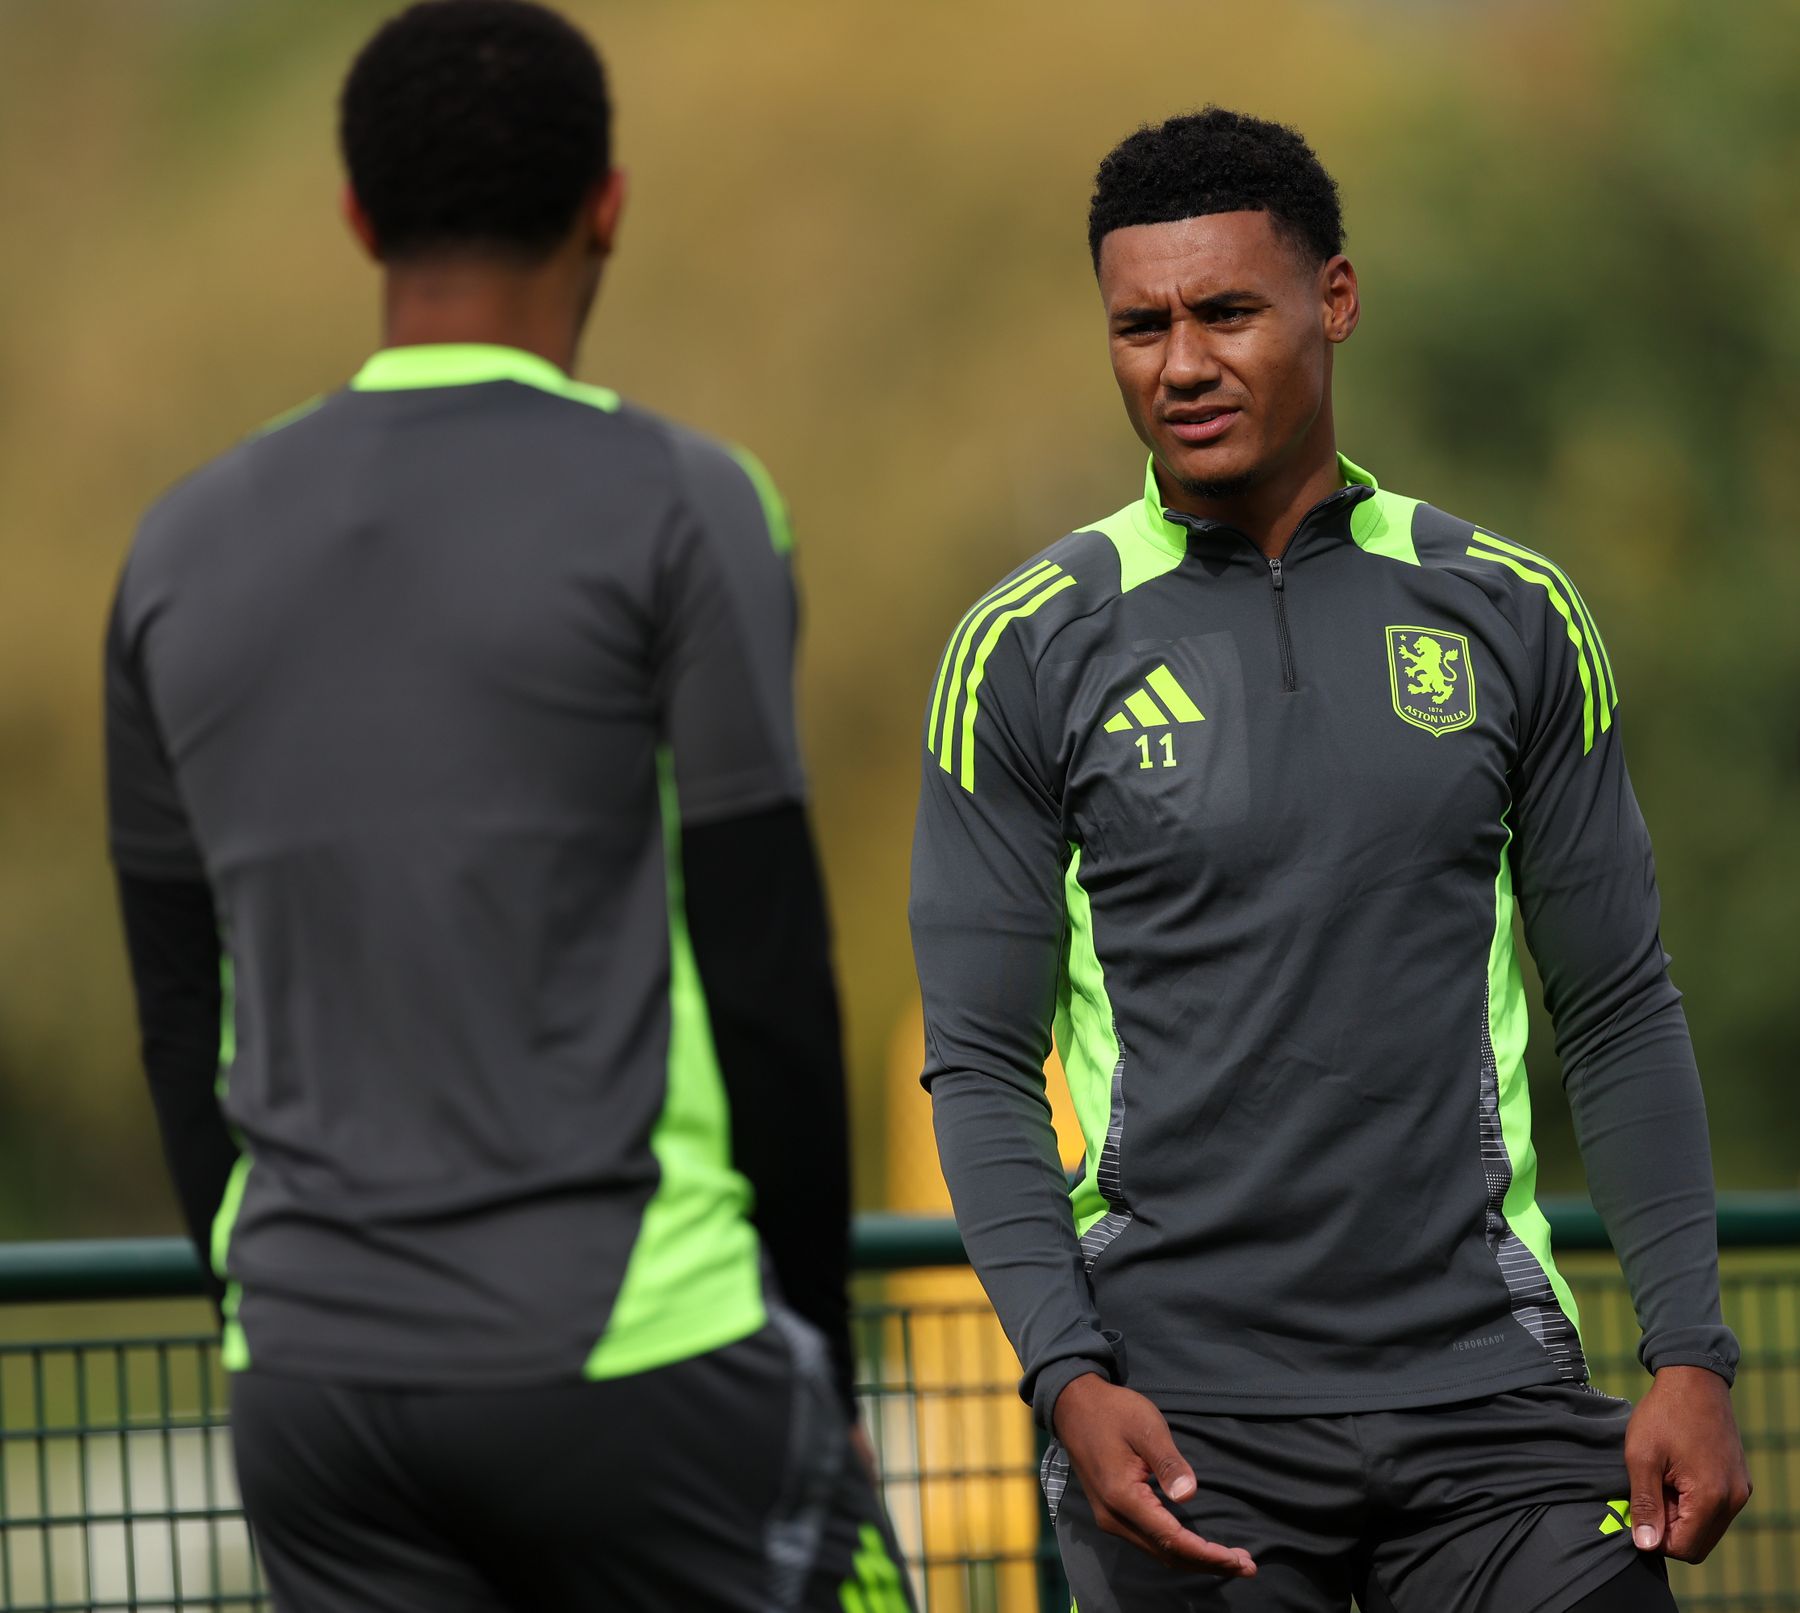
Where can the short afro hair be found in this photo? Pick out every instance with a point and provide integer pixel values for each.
(474, 125)
(1216, 161)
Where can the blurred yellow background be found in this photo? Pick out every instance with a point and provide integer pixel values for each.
(855, 242)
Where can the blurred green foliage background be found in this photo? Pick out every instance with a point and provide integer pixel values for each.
(855, 242)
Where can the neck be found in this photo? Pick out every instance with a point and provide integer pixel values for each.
(472, 301)
(1270, 508)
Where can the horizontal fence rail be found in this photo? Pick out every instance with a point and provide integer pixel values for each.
(167, 1268)
(117, 1489)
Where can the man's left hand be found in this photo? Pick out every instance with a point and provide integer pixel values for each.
(1686, 1461)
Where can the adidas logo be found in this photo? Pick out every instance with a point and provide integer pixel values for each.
(1141, 704)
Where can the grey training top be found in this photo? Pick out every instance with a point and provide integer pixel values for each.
(402, 679)
(1248, 834)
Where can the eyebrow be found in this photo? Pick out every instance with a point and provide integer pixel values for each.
(1216, 299)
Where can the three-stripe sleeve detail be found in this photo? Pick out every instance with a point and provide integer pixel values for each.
(1599, 694)
(956, 651)
(955, 701)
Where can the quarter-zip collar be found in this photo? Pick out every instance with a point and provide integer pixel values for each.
(1326, 522)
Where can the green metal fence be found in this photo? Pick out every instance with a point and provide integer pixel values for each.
(116, 1488)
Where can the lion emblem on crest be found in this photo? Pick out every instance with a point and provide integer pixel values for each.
(1430, 668)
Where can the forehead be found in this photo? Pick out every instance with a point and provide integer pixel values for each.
(1193, 258)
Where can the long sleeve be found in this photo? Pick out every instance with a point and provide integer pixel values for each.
(987, 911)
(171, 936)
(1587, 889)
(172, 941)
(755, 905)
(757, 917)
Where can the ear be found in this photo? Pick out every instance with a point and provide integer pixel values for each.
(1342, 302)
(360, 225)
(605, 205)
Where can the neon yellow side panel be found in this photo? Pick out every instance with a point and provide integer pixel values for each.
(693, 1282)
(234, 1348)
(1086, 1040)
(1507, 1027)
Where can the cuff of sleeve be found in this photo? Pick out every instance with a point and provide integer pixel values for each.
(1053, 1379)
(1714, 1348)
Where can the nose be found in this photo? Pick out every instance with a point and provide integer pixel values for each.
(1188, 363)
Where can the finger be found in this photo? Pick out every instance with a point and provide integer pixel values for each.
(1196, 1551)
(1648, 1521)
(1695, 1525)
(1163, 1535)
(1155, 1446)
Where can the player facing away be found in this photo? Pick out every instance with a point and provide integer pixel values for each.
(1236, 790)
(455, 714)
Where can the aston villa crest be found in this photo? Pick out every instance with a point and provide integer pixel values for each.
(1433, 678)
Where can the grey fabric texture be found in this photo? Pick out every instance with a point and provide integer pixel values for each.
(393, 679)
(1505, 1505)
(681, 1488)
(1293, 904)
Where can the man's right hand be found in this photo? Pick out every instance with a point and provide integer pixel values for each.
(1122, 1451)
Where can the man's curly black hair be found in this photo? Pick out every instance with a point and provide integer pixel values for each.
(474, 125)
(1216, 161)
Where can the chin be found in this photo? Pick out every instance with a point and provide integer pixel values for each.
(1213, 475)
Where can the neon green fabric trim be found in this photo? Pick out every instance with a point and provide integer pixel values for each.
(874, 1585)
(1042, 569)
(774, 506)
(1596, 650)
(976, 620)
(1507, 1031)
(1149, 544)
(299, 412)
(227, 1025)
(234, 1348)
(694, 1279)
(401, 369)
(972, 703)
(1574, 631)
(1086, 1038)
(1383, 525)
(226, 1219)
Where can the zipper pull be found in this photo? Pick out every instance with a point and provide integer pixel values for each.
(1275, 572)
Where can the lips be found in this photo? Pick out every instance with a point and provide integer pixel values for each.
(1201, 425)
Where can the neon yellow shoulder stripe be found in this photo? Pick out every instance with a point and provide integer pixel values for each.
(1574, 631)
(972, 702)
(774, 506)
(1041, 570)
(994, 604)
(1596, 646)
